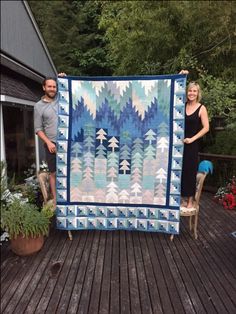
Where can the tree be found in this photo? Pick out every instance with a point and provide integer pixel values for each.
(161, 175)
(101, 135)
(113, 143)
(139, 37)
(125, 166)
(162, 144)
(149, 37)
(150, 136)
(70, 29)
(76, 149)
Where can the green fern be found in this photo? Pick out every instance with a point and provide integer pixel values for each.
(24, 218)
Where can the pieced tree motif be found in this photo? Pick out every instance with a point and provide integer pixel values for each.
(124, 196)
(112, 158)
(101, 135)
(125, 159)
(124, 166)
(150, 136)
(159, 194)
(136, 189)
(125, 152)
(163, 130)
(76, 149)
(76, 165)
(162, 144)
(150, 150)
(111, 195)
(161, 175)
(101, 152)
(137, 167)
(89, 143)
(113, 143)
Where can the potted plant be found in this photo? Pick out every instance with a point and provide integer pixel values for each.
(26, 225)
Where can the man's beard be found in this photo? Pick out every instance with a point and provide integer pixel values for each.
(49, 95)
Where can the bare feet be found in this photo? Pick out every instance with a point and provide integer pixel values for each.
(190, 202)
(190, 205)
(183, 202)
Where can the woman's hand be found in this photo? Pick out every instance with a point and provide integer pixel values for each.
(188, 140)
(184, 72)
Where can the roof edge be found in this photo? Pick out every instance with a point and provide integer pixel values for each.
(17, 100)
(11, 63)
(27, 7)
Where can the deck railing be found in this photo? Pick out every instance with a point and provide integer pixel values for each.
(224, 170)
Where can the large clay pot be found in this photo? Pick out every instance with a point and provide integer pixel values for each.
(26, 246)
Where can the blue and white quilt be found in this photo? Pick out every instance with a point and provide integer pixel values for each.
(120, 149)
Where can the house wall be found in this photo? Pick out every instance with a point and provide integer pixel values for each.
(25, 61)
(21, 40)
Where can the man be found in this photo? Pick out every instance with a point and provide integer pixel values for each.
(45, 124)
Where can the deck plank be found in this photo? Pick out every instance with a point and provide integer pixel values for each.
(25, 272)
(52, 281)
(146, 305)
(80, 239)
(66, 262)
(33, 285)
(105, 288)
(124, 275)
(79, 282)
(96, 287)
(149, 274)
(168, 290)
(128, 272)
(133, 277)
(89, 276)
(193, 276)
(209, 275)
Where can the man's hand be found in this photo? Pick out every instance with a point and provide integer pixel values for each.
(61, 74)
(51, 147)
(188, 140)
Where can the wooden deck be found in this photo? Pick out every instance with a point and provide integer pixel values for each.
(128, 272)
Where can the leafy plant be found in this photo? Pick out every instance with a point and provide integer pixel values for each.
(219, 96)
(23, 218)
(224, 143)
(4, 192)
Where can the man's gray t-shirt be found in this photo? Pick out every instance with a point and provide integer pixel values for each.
(46, 118)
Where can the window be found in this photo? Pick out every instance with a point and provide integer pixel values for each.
(19, 138)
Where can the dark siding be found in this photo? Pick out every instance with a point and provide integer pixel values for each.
(20, 40)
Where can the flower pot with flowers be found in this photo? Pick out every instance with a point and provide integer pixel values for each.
(227, 195)
(21, 220)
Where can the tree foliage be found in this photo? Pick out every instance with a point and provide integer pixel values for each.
(70, 29)
(164, 36)
(146, 37)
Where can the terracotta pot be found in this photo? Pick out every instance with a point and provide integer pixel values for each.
(26, 246)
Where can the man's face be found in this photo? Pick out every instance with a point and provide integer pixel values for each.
(50, 88)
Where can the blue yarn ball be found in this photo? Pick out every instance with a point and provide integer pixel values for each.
(205, 166)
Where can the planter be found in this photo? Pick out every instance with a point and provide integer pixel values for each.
(26, 246)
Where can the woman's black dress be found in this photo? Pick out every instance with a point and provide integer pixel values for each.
(190, 157)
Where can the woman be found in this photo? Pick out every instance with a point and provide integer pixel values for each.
(196, 125)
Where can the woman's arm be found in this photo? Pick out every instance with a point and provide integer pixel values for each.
(205, 126)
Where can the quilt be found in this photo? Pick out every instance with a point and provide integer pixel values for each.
(119, 152)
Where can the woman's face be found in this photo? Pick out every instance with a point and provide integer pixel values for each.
(192, 93)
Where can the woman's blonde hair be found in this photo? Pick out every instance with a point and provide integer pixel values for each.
(195, 84)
